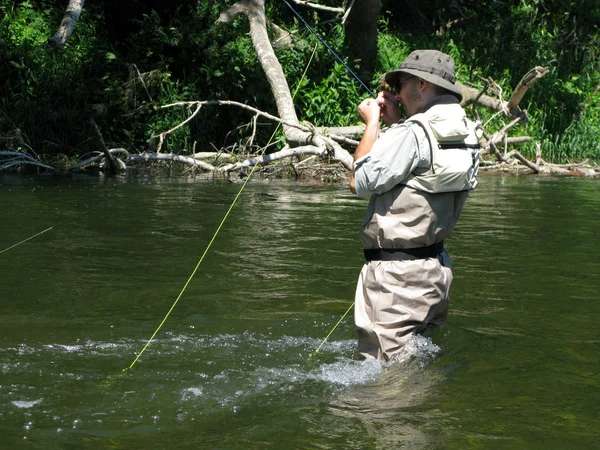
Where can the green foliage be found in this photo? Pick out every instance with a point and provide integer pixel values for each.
(508, 39)
(41, 90)
(330, 101)
(126, 60)
(392, 50)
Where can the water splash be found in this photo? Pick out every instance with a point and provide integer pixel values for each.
(418, 350)
(25, 404)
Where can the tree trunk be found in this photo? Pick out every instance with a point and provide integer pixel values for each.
(360, 29)
(255, 10)
(58, 41)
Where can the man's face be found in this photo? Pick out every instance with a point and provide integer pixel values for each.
(409, 95)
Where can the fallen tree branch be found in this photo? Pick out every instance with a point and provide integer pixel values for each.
(327, 143)
(17, 159)
(507, 141)
(500, 135)
(516, 155)
(165, 133)
(113, 165)
(286, 152)
(511, 107)
(512, 154)
(86, 162)
(318, 7)
(24, 163)
(70, 19)
(526, 82)
(151, 156)
(17, 155)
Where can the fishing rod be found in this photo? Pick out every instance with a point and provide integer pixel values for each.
(371, 93)
(25, 240)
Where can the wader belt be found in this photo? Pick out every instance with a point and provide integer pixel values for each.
(404, 254)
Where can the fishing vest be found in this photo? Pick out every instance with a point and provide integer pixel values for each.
(424, 209)
(454, 154)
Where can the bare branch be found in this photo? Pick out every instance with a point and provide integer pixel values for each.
(165, 133)
(150, 156)
(287, 152)
(18, 155)
(335, 137)
(70, 19)
(112, 164)
(86, 162)
(526, 82)
(348, 12)
(319, 7)
(515, 154)
(23, 163)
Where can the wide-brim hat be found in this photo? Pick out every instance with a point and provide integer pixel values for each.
(430, 65)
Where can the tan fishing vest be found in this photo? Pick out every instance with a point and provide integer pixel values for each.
(424, 209)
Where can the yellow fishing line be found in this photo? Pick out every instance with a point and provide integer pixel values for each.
(217, 231)
(25, 240)
(310, 355)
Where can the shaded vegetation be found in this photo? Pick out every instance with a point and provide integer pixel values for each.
(127, 59)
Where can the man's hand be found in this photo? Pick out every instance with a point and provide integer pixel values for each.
(390, 110)
(369, 111)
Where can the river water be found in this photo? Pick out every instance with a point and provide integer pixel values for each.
(515, 366)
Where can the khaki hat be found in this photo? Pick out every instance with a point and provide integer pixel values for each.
(430, 65)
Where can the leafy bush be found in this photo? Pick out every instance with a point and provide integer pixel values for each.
(126, 60)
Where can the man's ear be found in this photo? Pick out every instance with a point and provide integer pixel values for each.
(424, 85)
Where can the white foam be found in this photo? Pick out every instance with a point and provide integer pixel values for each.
(191, 393)
(350, 372)
(418, 349)
(26, 404)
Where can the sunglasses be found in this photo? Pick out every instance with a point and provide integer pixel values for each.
(401, 82)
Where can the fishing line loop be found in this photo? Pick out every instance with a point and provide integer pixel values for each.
(216, 232)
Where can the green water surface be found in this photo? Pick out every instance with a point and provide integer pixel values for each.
(515, 366)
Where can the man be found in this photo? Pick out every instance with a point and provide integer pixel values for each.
(418, 175)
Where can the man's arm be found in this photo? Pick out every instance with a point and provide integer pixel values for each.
(369, 112)
(385, 106)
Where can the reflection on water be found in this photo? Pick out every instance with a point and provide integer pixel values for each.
(387, 407)
(514, 366)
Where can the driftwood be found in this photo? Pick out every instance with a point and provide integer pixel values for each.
(11, 159)
(344, 157)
